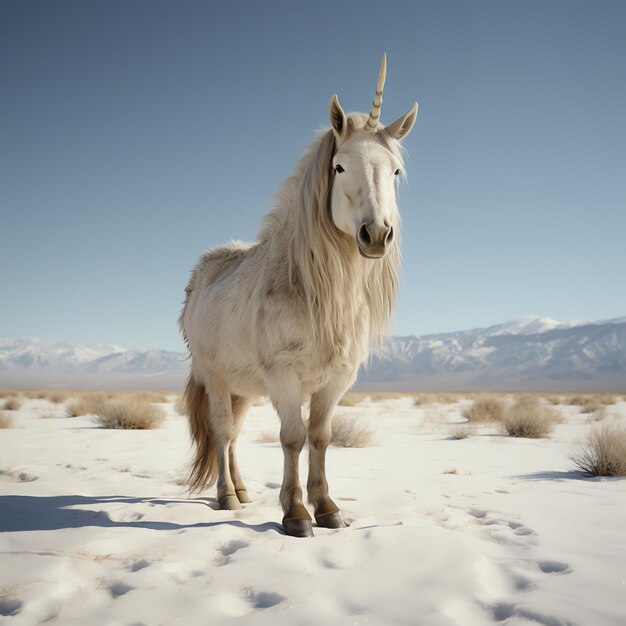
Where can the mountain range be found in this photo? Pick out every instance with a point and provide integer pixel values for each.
(535, 353)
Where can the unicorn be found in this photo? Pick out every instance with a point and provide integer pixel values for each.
(293, 315)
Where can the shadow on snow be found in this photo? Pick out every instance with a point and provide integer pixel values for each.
(30, 513)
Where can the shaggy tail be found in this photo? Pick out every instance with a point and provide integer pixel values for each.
(196, 406)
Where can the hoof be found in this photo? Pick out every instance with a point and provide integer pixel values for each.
(331, 520)
(229, 503)
(242, 496)
(298, 527)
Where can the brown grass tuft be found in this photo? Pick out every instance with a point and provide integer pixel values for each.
(6, 421)
(267, 436)
(86, 404)
(420, 399)
(13, 404)
(486, 409)
(149, 396)
(380, 396)
(462, 431)
(603, 451)
(591, 402)
(129, 413)
(599, 415)
(348, 432)
(552, 398)
(57, 397)
(527, 417)
(350, 399)
(591, 405)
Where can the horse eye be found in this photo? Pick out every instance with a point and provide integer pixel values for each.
(339, 169)
(396, 173)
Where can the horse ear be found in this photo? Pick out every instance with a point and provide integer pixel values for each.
(403, 125)
(337, 118)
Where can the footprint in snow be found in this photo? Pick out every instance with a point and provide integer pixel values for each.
(139, 565)
(228, 549)
(554, 567)
(262, 599)
(504, 612)
(10, 607)
(118, 589)
(16, 477)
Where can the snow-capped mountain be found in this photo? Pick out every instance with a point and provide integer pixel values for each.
(532, 353)
(529, 353)
(29, 362)
(29, 352)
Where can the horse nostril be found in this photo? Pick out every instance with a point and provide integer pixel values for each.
(389, 235)
(364, 235)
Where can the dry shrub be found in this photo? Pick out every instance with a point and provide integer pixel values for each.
(607, 398)
(575, 399)
(58, 397)
(599, 415)
(591, 405)
(267, 436)
(591, 402)
(129, 413)
(155, 397)
(552, 398)
(435, 417)
(527, 417)
(86, 404)
(350, 399)
(434, 398)
(603, 451)
(448, 398)
(380, 396)
(486, 409)
(13, 404)
(348, 432)
(6, 421)
(462, 431)
(7, 393)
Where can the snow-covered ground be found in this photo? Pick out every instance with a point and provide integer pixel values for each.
(485, 530)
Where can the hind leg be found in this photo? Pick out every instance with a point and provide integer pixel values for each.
(240, 406)
(223, 427)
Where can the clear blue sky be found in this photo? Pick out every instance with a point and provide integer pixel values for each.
(134, 135)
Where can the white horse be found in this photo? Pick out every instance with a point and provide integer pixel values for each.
(293, 315)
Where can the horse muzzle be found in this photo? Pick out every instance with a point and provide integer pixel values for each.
(373, 240)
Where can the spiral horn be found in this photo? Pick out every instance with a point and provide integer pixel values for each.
(374, 118)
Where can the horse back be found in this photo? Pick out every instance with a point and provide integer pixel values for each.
(217, 262)
(213, 265)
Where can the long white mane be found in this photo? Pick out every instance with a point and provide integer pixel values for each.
(324, 266)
